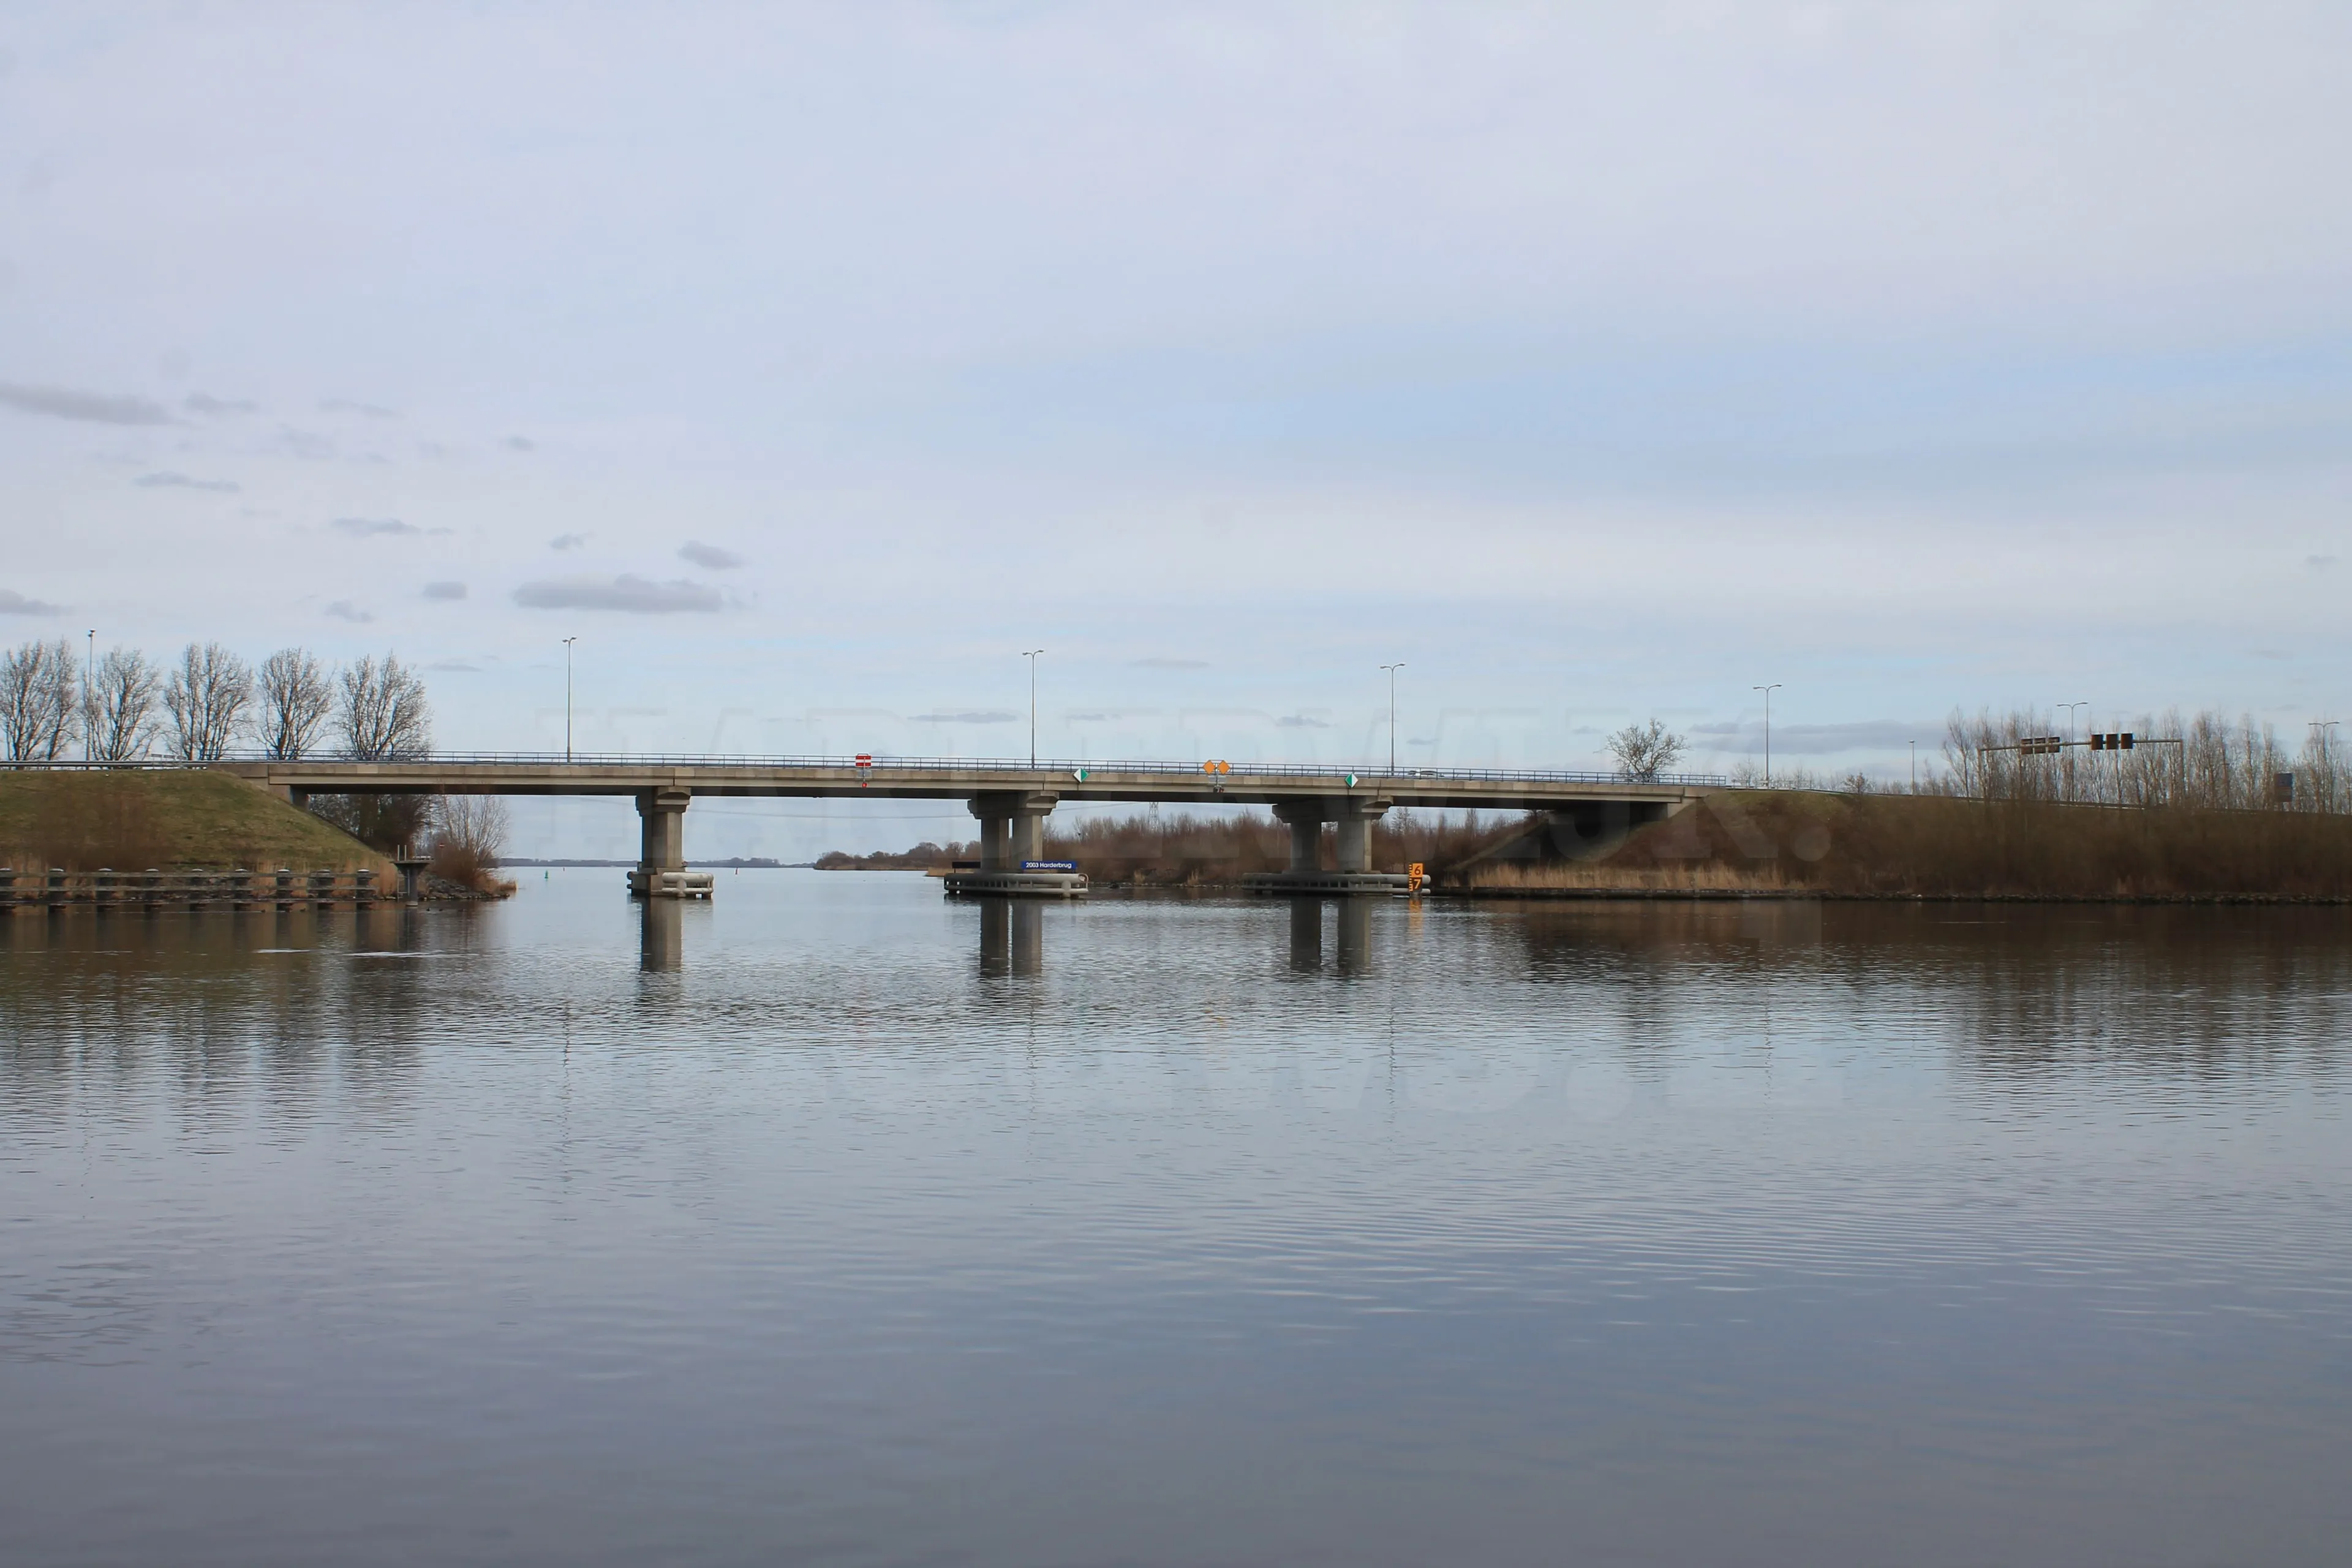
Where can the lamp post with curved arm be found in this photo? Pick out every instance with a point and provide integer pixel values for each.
(1030, 655)
(1392, 669)
(1768, 691)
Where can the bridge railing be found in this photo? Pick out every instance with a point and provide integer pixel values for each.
(1043, 769)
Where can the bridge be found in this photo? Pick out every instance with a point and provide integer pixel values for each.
(1010, 799)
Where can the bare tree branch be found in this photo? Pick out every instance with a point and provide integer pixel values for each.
(39, 701)
(296, 698)
(207, 698)
(1642, 753)
(119, 708)
(384, 714)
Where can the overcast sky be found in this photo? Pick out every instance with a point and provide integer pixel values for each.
(807, 364)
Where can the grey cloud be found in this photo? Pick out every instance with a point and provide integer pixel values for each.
(1301, 721)
(168, 480)
(1822, 740)
(521, 444)
(93, 407)
(1168, 663)
(345, 405)
(455, 666)
(200, 403)
(710, 557)
(445, 590)
(15, 604)
(989, 716)
(2320, 561)
(344, 610)
(628, 592)
(306, 443)
(567, 542)
(367, 527)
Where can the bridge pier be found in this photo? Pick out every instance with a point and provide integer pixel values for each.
(661, 870)
(1353, 814)
(1011, 830)
(1305, 819)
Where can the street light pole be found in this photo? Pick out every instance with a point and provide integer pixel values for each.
(89, 673)
(1392, 669)
(1031, 656)
(567, 696)
(2069, 769)
(1768, 691)
(1914, 767)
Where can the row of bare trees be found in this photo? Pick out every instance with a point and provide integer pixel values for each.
(124, 706)
(2205, 761)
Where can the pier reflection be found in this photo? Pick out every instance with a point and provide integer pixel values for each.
(1011, 936)
(1306, 935)
(1354, 919)
(661, 942)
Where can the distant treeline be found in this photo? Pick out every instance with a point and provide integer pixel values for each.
(2216, 765)
(1177, 847)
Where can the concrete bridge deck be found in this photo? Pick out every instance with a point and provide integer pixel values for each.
(931, 778)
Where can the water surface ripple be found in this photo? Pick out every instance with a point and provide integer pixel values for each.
(832, 1223)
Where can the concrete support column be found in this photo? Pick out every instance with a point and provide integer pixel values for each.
(1356, 816)
(662, 829)
(1306, 818)
(1012, 826)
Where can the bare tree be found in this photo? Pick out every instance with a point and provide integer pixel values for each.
(296, 697)
(384, 714)
(1644, 751)
(207, 698)
(40, 698)
(472, 825)
(118, 706)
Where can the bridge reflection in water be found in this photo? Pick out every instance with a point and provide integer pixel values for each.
(661, 942)
(1355, 934)
(1013, 936)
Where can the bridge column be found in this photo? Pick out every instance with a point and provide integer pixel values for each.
(1306, 818)
(1356, 816)
(661, 837)
(1012, 826)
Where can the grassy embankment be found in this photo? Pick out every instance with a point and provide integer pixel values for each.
(167, 819)
(1894, 846)
(1767, 842)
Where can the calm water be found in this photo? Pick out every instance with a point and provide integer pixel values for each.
(834, 1223)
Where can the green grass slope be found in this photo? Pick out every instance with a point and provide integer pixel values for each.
(133, 819)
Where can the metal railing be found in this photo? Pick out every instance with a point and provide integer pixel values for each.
(1054, 768)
